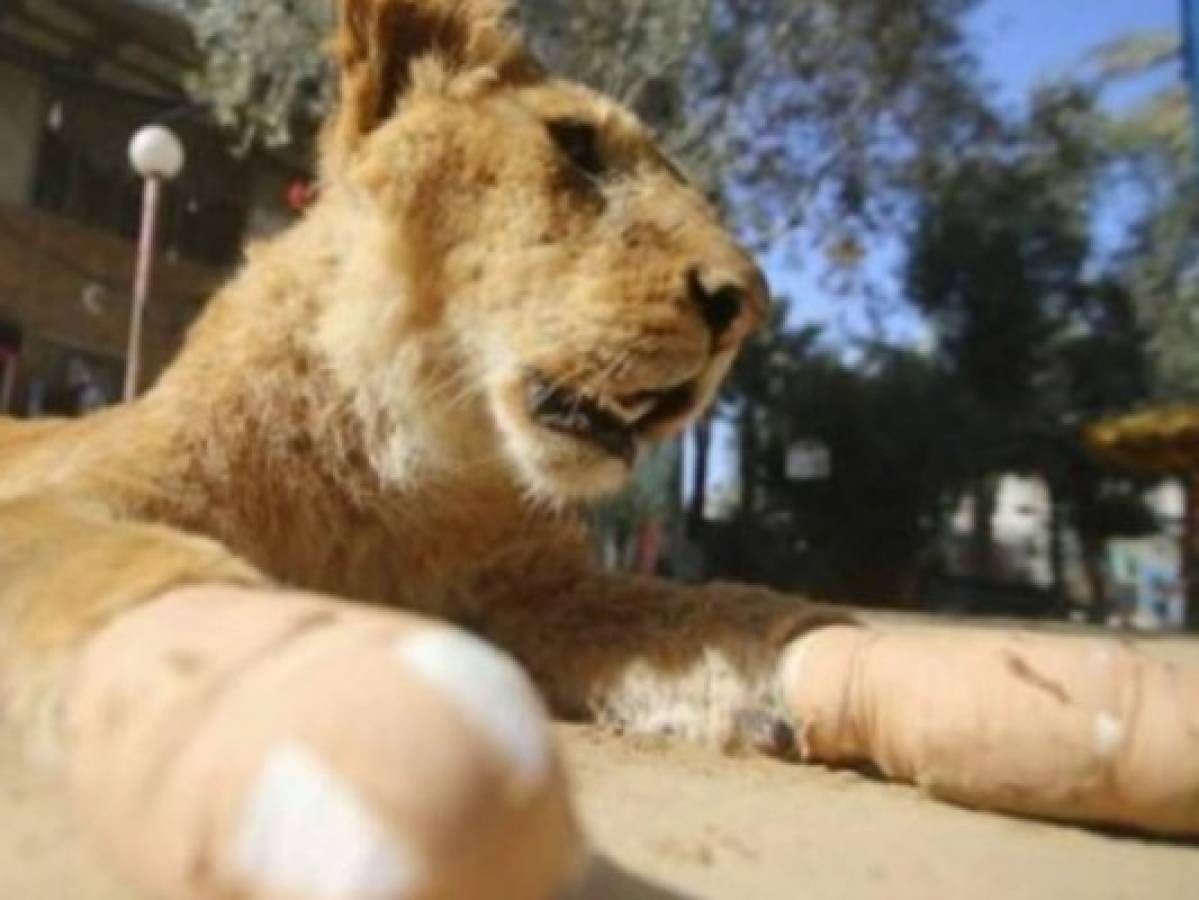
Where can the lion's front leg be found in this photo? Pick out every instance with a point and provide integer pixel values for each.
(222, 738)
(1050, 726)
(647, 655)
(1083, 729)
(68, 568)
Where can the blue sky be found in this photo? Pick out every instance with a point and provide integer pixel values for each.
(1018, 42)
(1023, 40)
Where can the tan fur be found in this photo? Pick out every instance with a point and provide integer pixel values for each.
(349, 416)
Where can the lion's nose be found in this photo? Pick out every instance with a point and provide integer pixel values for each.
(723, 302)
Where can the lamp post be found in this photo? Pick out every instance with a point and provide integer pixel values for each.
(157, 156)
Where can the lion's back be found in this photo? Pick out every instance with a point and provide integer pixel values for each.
(30, 450)
(21, 437)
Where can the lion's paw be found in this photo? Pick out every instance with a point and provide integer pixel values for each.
(760, 731)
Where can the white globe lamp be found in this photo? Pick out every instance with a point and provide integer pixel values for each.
(155, 152)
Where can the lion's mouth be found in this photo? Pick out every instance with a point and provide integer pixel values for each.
(613, 428)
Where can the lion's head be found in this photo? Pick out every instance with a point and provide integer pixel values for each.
(582, 298)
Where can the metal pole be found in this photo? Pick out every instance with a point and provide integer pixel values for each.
(141, 285)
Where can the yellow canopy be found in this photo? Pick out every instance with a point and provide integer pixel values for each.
(1156, 441)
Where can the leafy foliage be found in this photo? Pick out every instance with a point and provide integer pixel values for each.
(263, 75)
(1134, 54)
(800, 111)
(896, 459)
(1037, 345)
(1152, 145)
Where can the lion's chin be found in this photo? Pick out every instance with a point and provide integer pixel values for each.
(557, 459)
(562, 468)
(577, 485)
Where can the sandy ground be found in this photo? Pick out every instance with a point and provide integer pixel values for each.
(704, 826)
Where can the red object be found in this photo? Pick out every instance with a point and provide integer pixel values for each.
(300, 194)
(649, 547)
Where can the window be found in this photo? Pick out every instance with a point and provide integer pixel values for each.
(71, 183)
(10, 356)
(66, 380)
(82, 174)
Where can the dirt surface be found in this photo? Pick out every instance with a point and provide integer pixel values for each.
(754, 830)
(704, 826)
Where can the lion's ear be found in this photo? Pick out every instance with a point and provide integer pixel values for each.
(378, 43)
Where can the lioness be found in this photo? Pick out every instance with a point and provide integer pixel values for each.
(503, 294)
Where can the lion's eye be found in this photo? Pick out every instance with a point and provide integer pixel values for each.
(579, 142)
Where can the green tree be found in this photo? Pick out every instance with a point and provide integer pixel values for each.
(264, 75)
(794, 109)
(894, 463)
(1036, 344)
(1098, 365)
(1150, 146)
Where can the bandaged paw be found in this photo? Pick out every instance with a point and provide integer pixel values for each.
(1061, 728)
(226, 742)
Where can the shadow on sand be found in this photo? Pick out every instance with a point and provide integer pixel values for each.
(607, 881)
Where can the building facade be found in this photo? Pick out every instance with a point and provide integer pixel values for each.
(77, 79)
(1142, 576)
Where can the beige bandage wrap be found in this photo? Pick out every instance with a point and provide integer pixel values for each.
(232, 743)
(1061, 728)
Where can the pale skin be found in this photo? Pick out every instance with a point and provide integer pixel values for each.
(504, 293)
